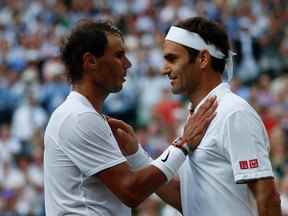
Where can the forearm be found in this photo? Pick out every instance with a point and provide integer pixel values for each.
(151, 179)
(269, 206)
(170, 193)
(267, 197)
(141, 184)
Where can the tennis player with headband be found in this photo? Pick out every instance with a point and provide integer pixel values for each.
(230, 172)
(85, 172)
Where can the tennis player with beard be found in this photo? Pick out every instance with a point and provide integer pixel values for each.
(230, 172)
(85, 172)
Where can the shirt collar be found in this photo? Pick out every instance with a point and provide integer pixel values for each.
(82, 99)
(79, 97)
(218, 91)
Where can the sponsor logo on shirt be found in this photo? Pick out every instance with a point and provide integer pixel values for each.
(253, 163)
(248, 164)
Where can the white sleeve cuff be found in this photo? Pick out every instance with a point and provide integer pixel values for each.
(246, 177)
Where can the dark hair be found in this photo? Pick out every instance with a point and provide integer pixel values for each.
(86, 36)
(212, 33)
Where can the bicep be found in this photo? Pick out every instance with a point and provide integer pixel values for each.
(87, 142)
(246, 146)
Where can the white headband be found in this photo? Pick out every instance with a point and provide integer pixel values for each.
(195, 41)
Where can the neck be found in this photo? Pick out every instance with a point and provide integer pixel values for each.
(94, 94)
(205, 86)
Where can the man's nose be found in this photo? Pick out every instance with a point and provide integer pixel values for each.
(127, 63)
(165, 70)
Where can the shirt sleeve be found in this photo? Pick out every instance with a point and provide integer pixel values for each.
(88, 141)
(246, 146)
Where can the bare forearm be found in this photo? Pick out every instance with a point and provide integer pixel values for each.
(143, 183)
(170, 193)
(169, 162)
(274, 209)
(269, 207)
(132, 187)
(267, 197)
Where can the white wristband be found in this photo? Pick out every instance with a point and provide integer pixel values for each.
(139, 160)
(170, 161)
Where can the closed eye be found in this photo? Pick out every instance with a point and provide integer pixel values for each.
(120, 54)
(170, 57)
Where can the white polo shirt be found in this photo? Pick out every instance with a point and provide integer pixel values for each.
(233, 151)
(78, 144)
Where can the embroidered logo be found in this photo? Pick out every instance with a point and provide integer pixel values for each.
(253, 163)
(243, 164)
(166, 157)
(249, 164)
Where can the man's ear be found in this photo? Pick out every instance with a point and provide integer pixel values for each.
(94, 61)
(204, 58)
(89, 61)
(89, 58)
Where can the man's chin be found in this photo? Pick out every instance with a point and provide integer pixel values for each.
(176, 91)
(117, 89)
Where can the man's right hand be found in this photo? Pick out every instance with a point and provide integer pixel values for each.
(125, 136)
(197, 124)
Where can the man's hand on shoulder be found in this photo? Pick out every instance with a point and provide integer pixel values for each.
(124, 135)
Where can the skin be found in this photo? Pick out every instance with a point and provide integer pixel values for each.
(105, 75)
(192, 79)
(195, 80)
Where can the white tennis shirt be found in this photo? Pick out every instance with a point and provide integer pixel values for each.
(233, 151)
(78, 144)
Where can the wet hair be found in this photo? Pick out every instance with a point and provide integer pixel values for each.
(212, 33)
(86, 36)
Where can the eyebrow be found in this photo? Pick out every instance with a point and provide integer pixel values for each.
(170, 56)
(120, 51)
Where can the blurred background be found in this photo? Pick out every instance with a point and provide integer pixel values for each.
(32, 81)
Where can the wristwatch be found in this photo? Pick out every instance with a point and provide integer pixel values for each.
(182, 144)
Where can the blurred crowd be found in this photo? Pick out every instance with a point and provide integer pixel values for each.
(33, 84)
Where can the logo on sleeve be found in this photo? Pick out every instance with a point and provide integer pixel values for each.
(249, 164)
(253, 163)
(243, 164)
(166, 157)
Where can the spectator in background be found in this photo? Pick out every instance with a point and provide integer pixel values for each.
(270, 42)
(28, 118)
(55, 88)
(248, 52)
(9, 147)
(165, 111)
(151, 88)
(8, 98)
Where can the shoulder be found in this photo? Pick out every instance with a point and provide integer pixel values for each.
(74, 117)
(231, 103)
(232, 106)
